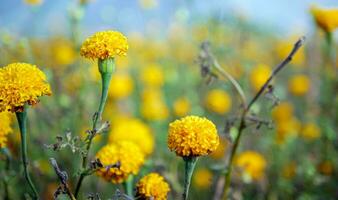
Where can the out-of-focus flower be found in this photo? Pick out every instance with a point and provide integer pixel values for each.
(135, 131)
(259, 75)
(121, 86)
(21, 83)
(252, 163)
(299, 85)
(153, 106)
(326, 168)
(282, 112)
(181, 106)
(221, 149)
(152, 186)
(5, 128)
(152, 76)
(326, 19)
(148, 4)
(286, 129)
(63, 52)
(289, 170)
(218, 101)
(105, 44)
(202, 178)
(310, 131)
(123, 157)
(73, 81)
(33, 2)
(284, 48)
(192, 136)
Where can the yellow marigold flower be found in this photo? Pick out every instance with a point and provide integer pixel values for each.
(135, 131)
(283, 49)
(21, 83)
(33, 2)
(192, 136)
(121, 85)
(299, 85)
(252, 163)
(282, 112)
(259, 75)
(289, 170)
(287, 129)
(221, 149)
(152, 75)
(127, 158)
(63, 52)
(310, 131)
(218, 101)
(326, 167)
(105, 44)
(5, 128)
(153, 106)
(153, 186)
(202, 178)
(327, 19)
(181, 106)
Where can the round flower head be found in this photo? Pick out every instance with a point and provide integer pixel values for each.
(192, 136)
(327, 19)
(218, 101)
(5, 128)
(202, 178)
(135, 131)
(105, 44)
(21, 83)
(259, 75)
(299, 85)
(252, 163)
(152, 186)
(119, 159)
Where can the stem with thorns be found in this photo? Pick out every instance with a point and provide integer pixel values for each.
(242, 124)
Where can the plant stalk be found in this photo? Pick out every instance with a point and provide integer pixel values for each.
(190, 163)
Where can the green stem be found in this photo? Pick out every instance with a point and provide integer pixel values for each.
(190, 163)
(7, 168)
(22, 120)
(128, 186)
(106, 68)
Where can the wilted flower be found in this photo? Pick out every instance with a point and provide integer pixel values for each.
(120, 159)
(192, 136)
(20, 84)
(152, 186)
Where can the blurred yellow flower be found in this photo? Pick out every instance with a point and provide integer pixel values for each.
(152, 75)
(259, 75)
(192, 136)
(202, 178)
(282, 112)
(326, 19)
(218, 101)
(252, 163)
(123, 157)
(133, 130)
(289, 170)
(148, 4)
(21, 83)
(326, 167)
(310, 131)
(153, 106)
(181, 106)
(105, 44)
(221, 149)
(33, 2)
(152, 186)
(285, 47)
(63, 52)
(287, 129)
(299, 85)
(5, 128)
(121, 85)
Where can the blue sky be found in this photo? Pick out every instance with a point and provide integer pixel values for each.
(284, 16)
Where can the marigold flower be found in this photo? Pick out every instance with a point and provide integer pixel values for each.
(252, 163)
(152, 186)
(63, 52)
(121, 86)
(310, 131)
(21, 83)
(259, 75)
(192, 136)
(153, 106)
(124, 157)
(299, 85)
(152, 75)
(135, 131)
(282, 112)
(287, 129)
(202, 178)
(5, 128)
(218, 101)
(105, 44)
(327, 19)
(181, 107)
